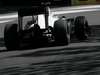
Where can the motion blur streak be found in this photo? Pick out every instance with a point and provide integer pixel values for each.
(6, 21)
(74, 11)
(9, 16)
(85, 7)
(77, 7)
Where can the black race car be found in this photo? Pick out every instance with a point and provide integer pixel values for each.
(21, 36)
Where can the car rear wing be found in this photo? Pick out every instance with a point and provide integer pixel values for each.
(32, 11)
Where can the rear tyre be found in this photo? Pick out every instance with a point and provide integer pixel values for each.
(11, 37)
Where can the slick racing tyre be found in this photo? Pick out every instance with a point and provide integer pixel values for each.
(80, 32)
(11, 37)
(60, 32)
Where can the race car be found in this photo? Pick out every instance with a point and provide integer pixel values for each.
(31, 35)
(21, 36)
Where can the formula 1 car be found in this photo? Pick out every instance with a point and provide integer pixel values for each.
(30, 35)
(17, 36)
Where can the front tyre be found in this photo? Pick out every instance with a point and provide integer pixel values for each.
(80, 28)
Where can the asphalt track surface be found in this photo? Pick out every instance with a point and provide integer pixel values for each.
(78, 58)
